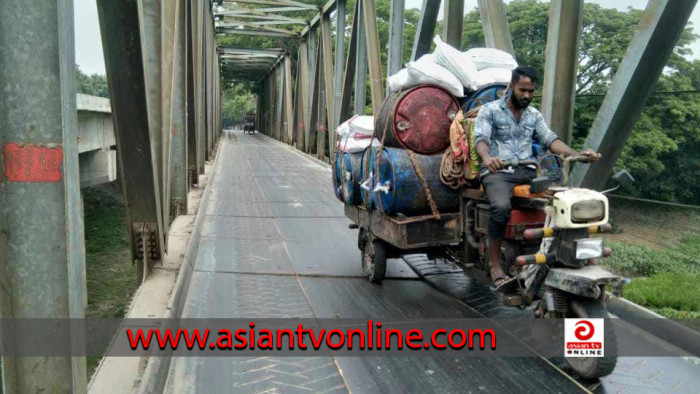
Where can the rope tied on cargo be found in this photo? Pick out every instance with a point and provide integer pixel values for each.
(460, 162)
(426, 190)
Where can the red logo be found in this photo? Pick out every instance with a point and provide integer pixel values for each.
(584, 330)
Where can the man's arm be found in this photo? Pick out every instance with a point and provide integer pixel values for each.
(482, 138)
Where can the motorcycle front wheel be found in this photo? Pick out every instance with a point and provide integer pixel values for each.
(594, 367)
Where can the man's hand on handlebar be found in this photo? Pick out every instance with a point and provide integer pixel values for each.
(494, 164)
(590, 154)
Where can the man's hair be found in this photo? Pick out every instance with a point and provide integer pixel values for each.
(523, 71)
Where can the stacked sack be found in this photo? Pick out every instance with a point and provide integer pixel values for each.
(354, 136)
(412, 130)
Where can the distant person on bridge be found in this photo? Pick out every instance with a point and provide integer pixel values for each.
(504, 130)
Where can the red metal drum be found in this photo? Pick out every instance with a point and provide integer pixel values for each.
(418, 119)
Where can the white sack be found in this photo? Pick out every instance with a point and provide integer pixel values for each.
(425, 71)
(361, 125)
(356, 144)
(458, 63)
(491, 58)
(398, 81)
(492, 75)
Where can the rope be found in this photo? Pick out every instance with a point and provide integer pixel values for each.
(426, 190)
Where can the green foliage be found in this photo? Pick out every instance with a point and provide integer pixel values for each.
(678, 291)
(236, 102)
(641, 261)
(663, 152)
(95, 84)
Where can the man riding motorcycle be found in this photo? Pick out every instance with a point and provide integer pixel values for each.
(504, 130)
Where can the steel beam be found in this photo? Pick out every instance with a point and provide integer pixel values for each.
(661, 25)
(349, 71)
(360, 92)
(168, 22)
(339, 58)
(199, 84)
(328, 83)
(312, 103)
(452, 19)
(426, 28)
(253, 32)
(151, 47)
(496, 30)
(42, 251)
(565, 20)
(279, 73)
(375, 63)
(395, 57)
(289, 109)
(122, 45)
(178, 122)
(192, 152)
(302, 93)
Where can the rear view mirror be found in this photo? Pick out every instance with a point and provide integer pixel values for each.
(623, 178)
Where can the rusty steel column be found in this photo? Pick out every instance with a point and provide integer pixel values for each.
(496, 30)
(42, 250)
(452, 19)
(426, 28)
(558, 92)
(661, 25)
(178, 121)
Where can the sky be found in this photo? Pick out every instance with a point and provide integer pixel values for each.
(88, 44)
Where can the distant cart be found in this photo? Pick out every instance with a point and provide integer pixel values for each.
(249, 124)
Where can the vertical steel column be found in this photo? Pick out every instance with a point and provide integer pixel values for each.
(661, 25)
(312, 103)
(426, 28)
(361, 64)
(496, 30)
(375, 63)
(192, 152)
(452, 19)
(339, 59)
(349, 72)
(199, 83)
(151, 46)
(42, 258)
(279, 85)
(301, 96)
(178, 120)
(168, 22)
(121, 41)
(565, 20)
(395, 60)
(289, 110)
(328, 79)
(322, 114)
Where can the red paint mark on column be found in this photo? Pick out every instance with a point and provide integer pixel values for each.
(31, 163)
(174, 131)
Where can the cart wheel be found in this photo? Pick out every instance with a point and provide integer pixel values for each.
(374, 260)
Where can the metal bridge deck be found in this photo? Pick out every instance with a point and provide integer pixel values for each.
(275, 243)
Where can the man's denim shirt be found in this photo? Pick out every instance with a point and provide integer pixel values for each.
(496, 126)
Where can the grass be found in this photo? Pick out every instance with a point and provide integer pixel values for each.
(110, 275)
(666, 281)
(667, 290)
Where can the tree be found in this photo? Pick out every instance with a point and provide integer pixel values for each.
(95, 84)
(662, 152)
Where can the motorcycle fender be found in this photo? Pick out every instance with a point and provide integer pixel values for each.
(584, 281)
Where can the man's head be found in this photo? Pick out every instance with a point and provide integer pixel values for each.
(523, 84)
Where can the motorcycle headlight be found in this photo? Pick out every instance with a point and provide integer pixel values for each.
(587, 211)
